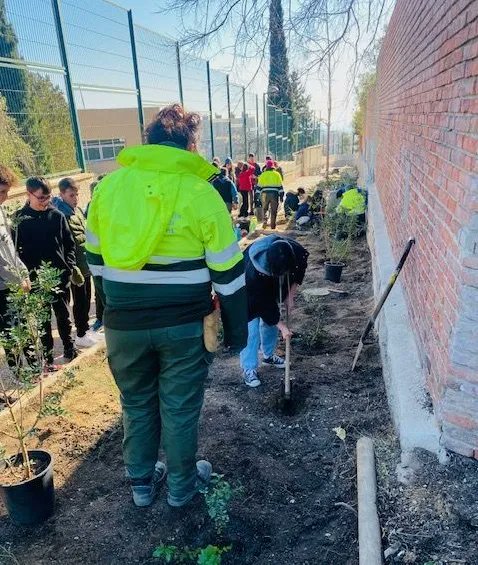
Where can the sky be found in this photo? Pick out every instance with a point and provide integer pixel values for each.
(145, 13)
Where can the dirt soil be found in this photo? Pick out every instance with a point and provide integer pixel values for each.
(298, 499)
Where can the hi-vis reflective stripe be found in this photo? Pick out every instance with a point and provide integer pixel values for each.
(157, 277)
(165, 260)
(224, 255)
(230, 288)
(92, 239)
(96, 270)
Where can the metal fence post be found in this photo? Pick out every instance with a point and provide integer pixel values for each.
(244, 121)
(258, 141)
(180, 77)
(69, 88)
(229, 116)
(136, 73)
(265, 116)
(209, 92)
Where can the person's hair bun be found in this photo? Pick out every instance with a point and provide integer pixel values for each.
(175, 125)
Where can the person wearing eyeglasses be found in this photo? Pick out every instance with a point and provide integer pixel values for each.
(43, 236)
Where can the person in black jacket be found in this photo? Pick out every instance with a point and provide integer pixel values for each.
(43, 236)
(274, 268)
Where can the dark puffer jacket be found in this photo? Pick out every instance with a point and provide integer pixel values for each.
(77, 223)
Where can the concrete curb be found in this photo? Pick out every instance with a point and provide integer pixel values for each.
(50, 381)
(370, 542)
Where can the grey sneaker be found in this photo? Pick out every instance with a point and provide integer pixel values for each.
(250, 378)
(274, 361)
(144, 495)
(204, 471)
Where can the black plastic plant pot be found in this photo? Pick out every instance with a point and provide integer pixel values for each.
(333, 271)
(32, 501)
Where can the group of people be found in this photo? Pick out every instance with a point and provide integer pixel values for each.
(159, 267)
(260, 189)
(49, 230)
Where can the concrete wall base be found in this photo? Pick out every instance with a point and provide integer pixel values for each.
(402, 369)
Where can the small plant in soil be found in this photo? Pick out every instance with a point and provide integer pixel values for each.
(338, 231)
(209, 555)
(217, 495)
(29, 311)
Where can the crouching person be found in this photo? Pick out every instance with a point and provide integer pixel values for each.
(275, 266)
(156, 263)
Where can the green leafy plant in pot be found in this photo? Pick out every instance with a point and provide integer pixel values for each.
(26, 478)
(338, 232)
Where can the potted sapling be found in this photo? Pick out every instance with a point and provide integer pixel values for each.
(26, 476)
(338, 230)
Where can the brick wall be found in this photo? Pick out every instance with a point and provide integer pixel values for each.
(420, 148)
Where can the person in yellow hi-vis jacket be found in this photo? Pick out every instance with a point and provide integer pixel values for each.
(270, 186)
(159, 239)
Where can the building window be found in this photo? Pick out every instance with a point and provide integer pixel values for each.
(102, 149)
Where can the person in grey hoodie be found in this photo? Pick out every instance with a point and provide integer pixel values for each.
(12, 270)
(274, 267)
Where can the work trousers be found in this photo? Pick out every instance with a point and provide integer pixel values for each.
(62, 315)
(81, 306)
(100, 307)
(270, 200)
(260, 335)
(160, 374)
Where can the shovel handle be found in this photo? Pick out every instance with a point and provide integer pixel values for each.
(387, 290)
(287, 368)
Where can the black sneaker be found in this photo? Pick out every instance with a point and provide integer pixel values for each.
(70, 354)
(274, 361)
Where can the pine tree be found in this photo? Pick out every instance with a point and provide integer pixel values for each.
(279, 82)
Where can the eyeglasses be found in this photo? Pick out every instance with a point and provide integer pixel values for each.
(43, 198)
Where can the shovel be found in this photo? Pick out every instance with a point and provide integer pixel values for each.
(381, 302)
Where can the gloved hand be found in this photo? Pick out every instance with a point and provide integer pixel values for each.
(77, 277)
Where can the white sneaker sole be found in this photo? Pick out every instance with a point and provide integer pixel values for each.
(254, 384)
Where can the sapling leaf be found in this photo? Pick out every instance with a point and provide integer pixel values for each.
(340, 433)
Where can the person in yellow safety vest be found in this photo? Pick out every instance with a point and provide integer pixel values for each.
(270, 186)
(159, 239)
(352, 202)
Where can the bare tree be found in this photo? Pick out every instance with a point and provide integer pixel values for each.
(353, 23)
(317, 29)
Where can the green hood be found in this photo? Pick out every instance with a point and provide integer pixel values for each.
(138, 201)
(167, 159)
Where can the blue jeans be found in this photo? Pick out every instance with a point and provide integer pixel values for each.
(260, 335)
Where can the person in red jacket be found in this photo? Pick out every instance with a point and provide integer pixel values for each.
(245, 182)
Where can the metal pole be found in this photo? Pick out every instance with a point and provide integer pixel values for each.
(180, 78)
(244, 122)
(136, 74)
(69, 88)
(209, 92)
(342, 143)
(229, 115)
(257, 126)
(353, 143)
(265, 115)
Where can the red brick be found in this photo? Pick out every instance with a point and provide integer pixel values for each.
(426, 108)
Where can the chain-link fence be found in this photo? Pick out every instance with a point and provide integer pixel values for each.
(79, 80)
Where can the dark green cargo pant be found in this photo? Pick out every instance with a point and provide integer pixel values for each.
(160, 374)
